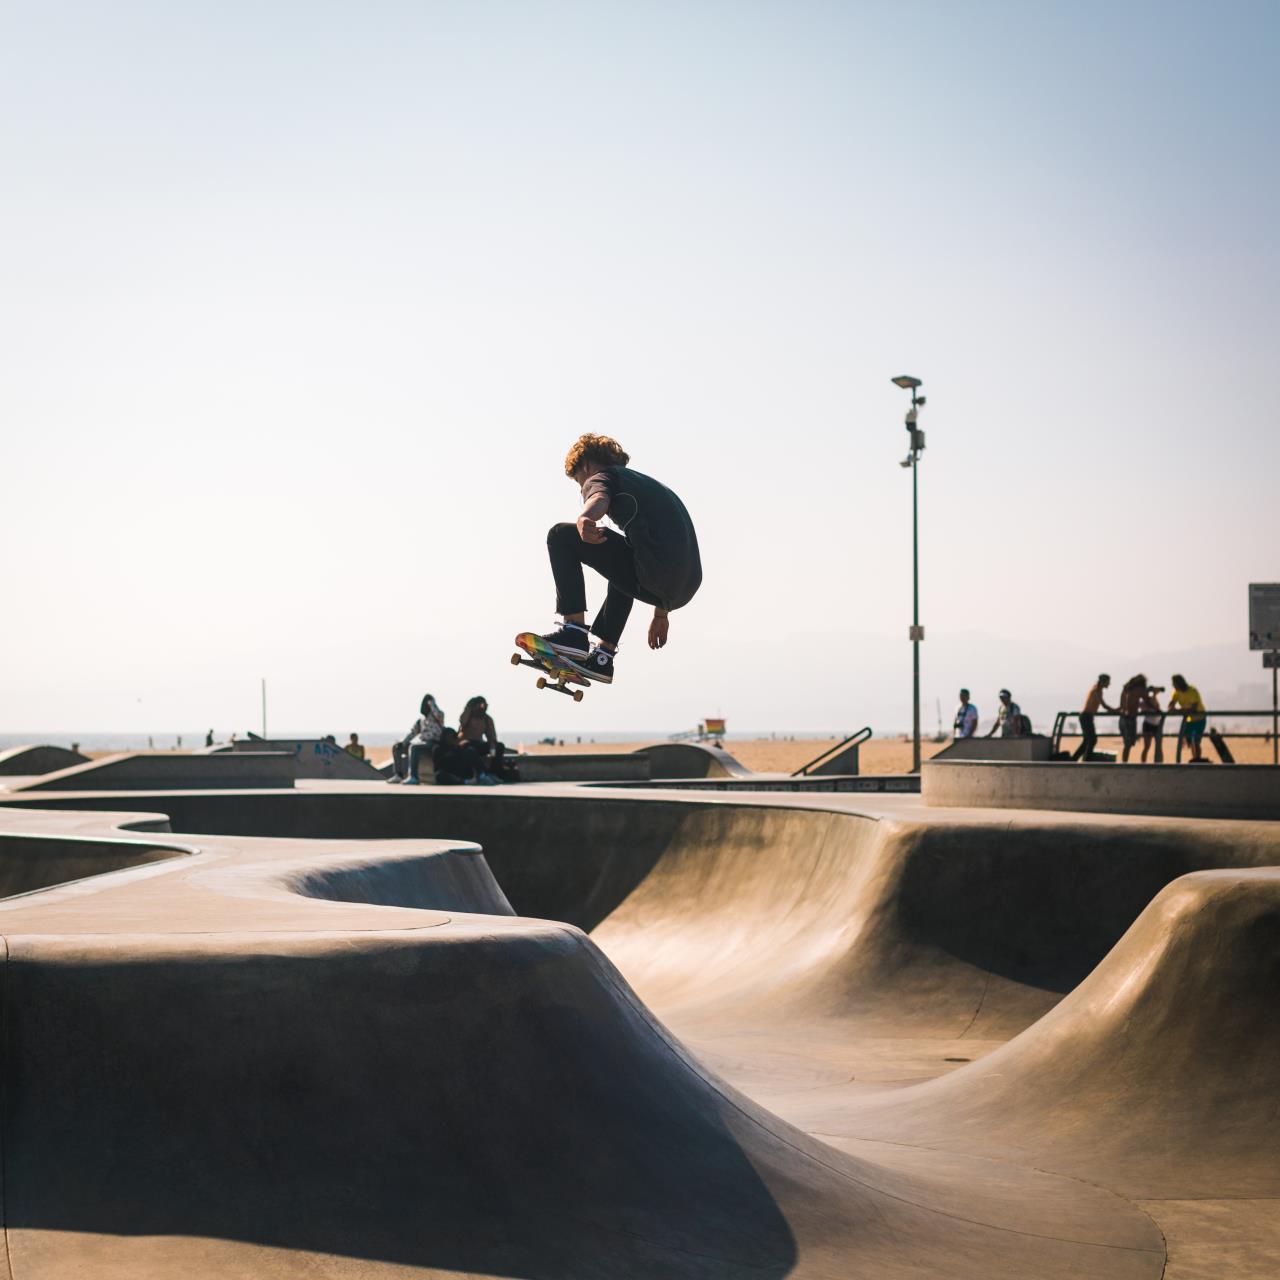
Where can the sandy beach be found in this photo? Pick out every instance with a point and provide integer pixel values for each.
(879, 755)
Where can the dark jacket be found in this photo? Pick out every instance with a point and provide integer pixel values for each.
(659, 530)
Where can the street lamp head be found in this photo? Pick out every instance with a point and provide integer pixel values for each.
(906, 382)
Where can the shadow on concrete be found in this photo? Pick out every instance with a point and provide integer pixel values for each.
(496, 1106)
(1040, 906)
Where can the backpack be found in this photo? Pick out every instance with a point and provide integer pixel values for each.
(1024, 726)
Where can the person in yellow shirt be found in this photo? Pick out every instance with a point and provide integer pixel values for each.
(1186, 698)
(355, 747)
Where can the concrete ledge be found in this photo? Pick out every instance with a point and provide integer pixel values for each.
(1168, 790)
(600, 766)
(1024, 750)
(143, 772)
(900, 783)
(312, 757)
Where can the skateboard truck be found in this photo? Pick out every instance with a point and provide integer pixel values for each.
(557, 685)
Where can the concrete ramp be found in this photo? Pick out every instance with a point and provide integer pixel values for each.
(28, 761)
(692, 760)
(1160, 1072)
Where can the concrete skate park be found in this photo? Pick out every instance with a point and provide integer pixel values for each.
(263, 1023)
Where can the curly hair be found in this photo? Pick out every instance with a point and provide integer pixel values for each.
(604, 450)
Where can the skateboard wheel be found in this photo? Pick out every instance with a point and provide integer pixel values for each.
(515, 659)
(577, 695)
(542, 682)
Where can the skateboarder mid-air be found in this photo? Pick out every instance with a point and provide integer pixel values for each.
(654, 558)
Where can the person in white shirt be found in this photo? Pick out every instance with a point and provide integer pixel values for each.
(421, 740)
(966, 717)
(1008, 718)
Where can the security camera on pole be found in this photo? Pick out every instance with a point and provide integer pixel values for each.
(916, 633)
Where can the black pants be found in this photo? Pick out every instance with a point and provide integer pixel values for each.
(1090, 737)
(490, 754)
(613, 559)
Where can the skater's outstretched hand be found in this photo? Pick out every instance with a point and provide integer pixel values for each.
(588, 530)
(658, 629)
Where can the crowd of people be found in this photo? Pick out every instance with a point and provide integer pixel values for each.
(1138, 712)
(470, 755)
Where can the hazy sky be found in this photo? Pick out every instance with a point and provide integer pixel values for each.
(302, 304)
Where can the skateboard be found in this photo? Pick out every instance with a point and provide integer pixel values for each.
(542, 656)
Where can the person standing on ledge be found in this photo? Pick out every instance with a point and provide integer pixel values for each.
(966, 717)
(1092, 703)
(653, 557)
(1152, 723)
(1008, 718)
(1186, 698)
(1132, 693)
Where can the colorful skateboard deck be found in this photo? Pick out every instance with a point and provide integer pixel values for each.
(560, 670)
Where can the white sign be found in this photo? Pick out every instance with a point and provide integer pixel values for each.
(1264, 615)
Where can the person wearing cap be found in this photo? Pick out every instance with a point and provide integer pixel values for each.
(1093, 702)
(966, 724)
(1008, 718)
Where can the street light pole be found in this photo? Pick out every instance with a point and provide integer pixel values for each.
(915, 615)
(916, 634)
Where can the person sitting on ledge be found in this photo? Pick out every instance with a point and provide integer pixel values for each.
(420, 740)
(457, 764)
(477, 730)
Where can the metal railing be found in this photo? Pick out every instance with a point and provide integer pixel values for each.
(1228, 732)
(853, 740)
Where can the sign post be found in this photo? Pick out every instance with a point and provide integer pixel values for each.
(1272, 659)
(1264, 633)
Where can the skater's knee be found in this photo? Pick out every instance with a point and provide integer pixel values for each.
(559, 534)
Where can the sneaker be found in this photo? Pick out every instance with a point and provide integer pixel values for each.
(488, 780)
(599, 665)
(570, 640)
(412, 782)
